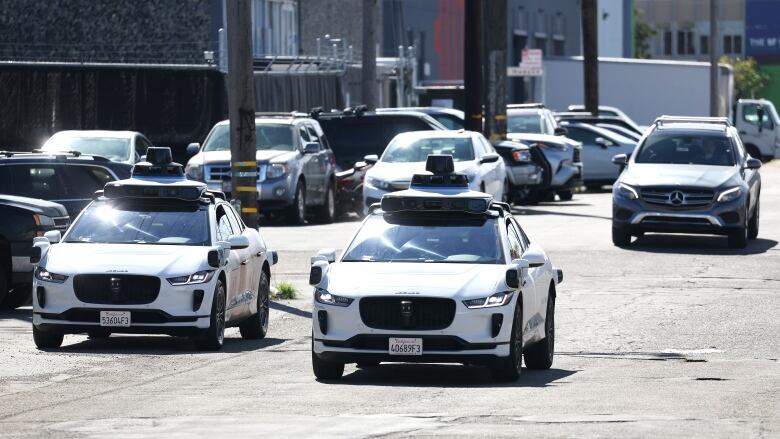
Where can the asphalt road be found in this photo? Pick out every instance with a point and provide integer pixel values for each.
(676, 336)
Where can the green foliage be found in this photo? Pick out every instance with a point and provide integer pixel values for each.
(643, 33)
(748, 78)
(285, 291)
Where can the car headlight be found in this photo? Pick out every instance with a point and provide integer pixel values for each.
(47, 276)
(194, 172)
(627, 191)
(498, 299)
(201, 277)
(379, 184)
(730, 195)
(276, 170)
(323, 296)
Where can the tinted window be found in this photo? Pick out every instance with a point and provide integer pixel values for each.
(449, 121)
(83, 181)
(587, 137)
(111, 148)
(713, 149)
(34, 181)
(524, 123)
(515, 247)
(408, 148)
(235, 222)
(267, 137)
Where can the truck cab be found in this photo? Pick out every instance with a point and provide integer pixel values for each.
(759, 127)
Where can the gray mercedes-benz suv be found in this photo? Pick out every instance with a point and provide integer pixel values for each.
(688, 175)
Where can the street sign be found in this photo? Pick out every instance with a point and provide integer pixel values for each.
(531, 64)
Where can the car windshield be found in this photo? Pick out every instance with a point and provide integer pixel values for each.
(524, 123)
(112, 148)
(451, 122)
(687, 149)
(427, 238)
(409, 148)
(275, 137)
(134, 223)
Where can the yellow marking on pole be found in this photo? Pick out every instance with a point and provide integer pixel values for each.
(245, 164)
(500, 117)
(246, 189)
(476, 116)
(248, 210)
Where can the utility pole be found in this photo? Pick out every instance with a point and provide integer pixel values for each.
(494, 69)
(590, 51)
(241, 108)
(472, 63)
(714, 58)
(368, 68)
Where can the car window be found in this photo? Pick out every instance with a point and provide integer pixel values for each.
(586, 137)
(524, 123)
(524, 241)
(695, 148)
(449, 121)
(235, 222)
(224, 228)
(34, 180)
(304, 134)
(83, 181)
(740, 147)
(408, 148)
(750, 115)
(277, 137)
(112, 148)
(142, 144)
(515, 246)
(488, 147)
(312, 134)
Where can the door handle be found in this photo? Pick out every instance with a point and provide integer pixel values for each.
(258, 254)
(244, 261)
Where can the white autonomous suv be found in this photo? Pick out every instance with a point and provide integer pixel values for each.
(438, 274)
(152, 254)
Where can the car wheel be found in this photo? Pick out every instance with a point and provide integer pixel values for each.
(98, 333)
(621, 236)
(4, 287)
(739, 238)
(256, 327)
(540, 356)
(753, 223)
(566, 195)
(296, 213)
(327, 212)
(47, 339)
(508, 369)
(505, 192)
(214, 337)
(323, 369)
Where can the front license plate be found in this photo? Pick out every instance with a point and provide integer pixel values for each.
(115, 318)
(405, 346)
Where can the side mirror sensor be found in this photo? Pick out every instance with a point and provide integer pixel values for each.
(273, 257)
(35, 256)
(752, 163)
(560, 131)
(489, 158)
(214, 258)
(620, 159)
(238, 242)
(328, 254)
(311, 148)
(535, 256)
(317, 271)
(371, 159)
(192, 149)
(54, 236)
(515, 273)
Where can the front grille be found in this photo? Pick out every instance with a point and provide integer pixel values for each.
(677, 197)
(221, 172)
(424, 313)
(676, 220)
(61, 223)
(116, 289)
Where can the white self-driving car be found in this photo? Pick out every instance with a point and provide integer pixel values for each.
(152, 254)
(438, 273)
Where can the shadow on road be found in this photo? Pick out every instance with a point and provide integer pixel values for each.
(290, 310)
(445, 375)
(697, 245)
(24, 314)
(159, 345)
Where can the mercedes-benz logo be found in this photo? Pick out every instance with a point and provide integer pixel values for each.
(676, 198)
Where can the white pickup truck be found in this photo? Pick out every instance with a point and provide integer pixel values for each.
(759, 126)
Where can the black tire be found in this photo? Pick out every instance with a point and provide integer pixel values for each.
(753, 223)
(505, 197)
(566, 195)
(296, 213)
(540, 356)
(256, 326)
(508, 369)
(621, 237)
(98, 333)
(214, 337)
(325, 370)
(738, 238)
(326, 213)
(21, 295)
(4, 284)
(47, 339)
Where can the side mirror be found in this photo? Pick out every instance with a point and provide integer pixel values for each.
(515, 273)
(317, 271)
(620, 159)
(535, 256)
(273, 257)
(54, 236)
(192, 149)
(311, 148)
(328, 254)
(489, 158)
(371, 159)
(238, 242)
(602, 142)
(560, 131)
(752, 163)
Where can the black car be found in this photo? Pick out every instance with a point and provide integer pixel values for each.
(66, 178)
(21, 220)
(451, 118)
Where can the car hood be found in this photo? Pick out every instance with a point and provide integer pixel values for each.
(224, 156)
(650, 174)
(154, 260)
(361, 279)
(403, 172)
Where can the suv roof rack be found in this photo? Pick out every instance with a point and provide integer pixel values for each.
(527, 105)
(692, 119)
(357, 110)
(57, 154)
(280, 114)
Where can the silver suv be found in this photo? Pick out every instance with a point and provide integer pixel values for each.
(295, 165)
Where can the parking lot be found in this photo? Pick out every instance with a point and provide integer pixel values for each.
(674, 335)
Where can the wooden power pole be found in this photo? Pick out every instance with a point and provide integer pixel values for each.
(590, 49)
(241, 108)
(368, 67)
(472, 64)
(494, 68)
(714, 58)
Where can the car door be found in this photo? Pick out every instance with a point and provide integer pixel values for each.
(250, 271)
(541, 275)
(527, 283)
(489, 171)
(234, 288)
(754, 132)
(596, 159)
(309, 167)
(323, 161)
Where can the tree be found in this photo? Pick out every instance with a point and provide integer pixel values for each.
(748, 78)
(643, 32)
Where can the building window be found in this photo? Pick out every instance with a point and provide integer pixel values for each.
(685, 43)
(704, 44)
(558, 47)
(540, 43)
(727, 44)
(667, 42)
(732, 44)
(737, 47)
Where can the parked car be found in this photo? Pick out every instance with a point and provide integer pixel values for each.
(606, 110)
(525, 169)
(407, 154)
(688, 175)
(69, 179)
(451, 118)
(534, 125)
(296, 168)
(21, 220)
(583, 117)
(758, 124)
(599, 145)
(118, 146)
